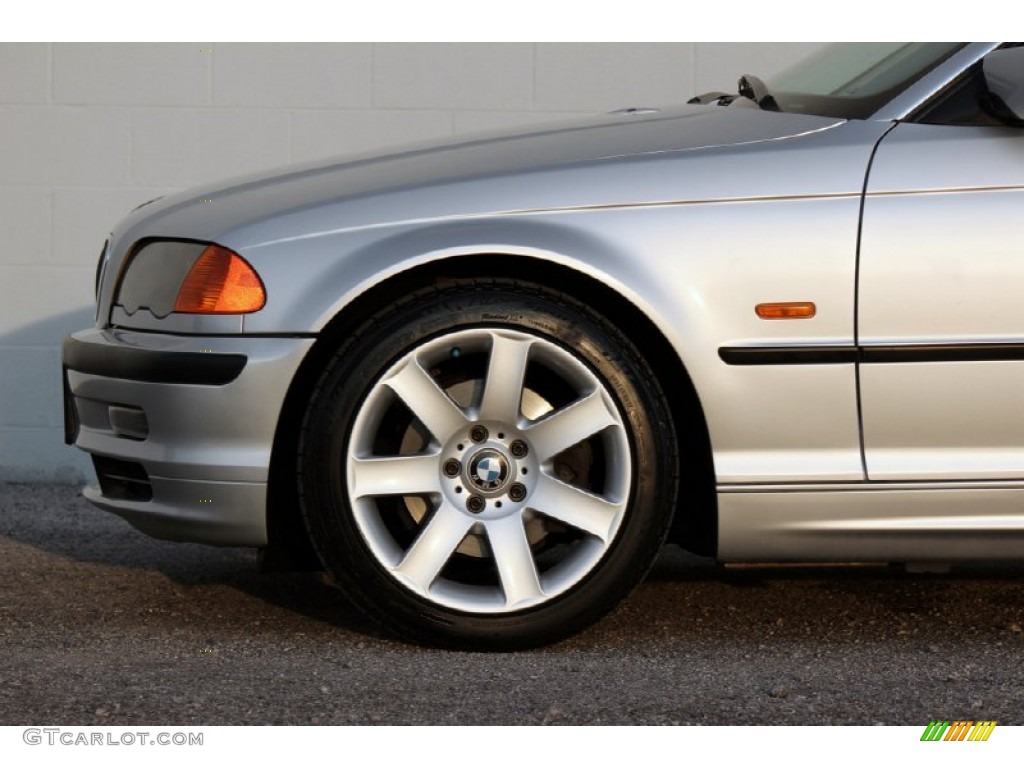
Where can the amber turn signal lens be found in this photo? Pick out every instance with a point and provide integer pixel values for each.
(220, 283)
(786, 310)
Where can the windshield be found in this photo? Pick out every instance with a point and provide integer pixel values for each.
(854, 80)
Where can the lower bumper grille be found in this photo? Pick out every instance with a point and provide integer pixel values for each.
(125, 480)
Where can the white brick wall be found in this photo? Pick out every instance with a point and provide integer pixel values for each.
(88, 131)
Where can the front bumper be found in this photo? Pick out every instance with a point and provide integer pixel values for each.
(180, 427)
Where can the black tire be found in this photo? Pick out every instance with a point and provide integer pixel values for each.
(525, 310)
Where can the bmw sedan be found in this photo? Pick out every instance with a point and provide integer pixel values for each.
(482, 382)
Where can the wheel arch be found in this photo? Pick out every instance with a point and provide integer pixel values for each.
(695, 519)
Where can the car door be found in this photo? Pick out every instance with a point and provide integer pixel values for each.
(941, 304)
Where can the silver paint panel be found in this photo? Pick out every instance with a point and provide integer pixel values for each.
(937, 267)
(233, 517)
(873, 523)
(944, 420)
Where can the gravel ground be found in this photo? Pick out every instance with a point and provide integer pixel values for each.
(102, 625)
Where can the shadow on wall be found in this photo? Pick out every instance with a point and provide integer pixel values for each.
(31, 408)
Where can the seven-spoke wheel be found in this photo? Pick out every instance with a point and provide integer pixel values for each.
(480, 467)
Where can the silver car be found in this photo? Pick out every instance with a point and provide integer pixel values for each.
(482, 382)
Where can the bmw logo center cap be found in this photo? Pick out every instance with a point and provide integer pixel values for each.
(488, 470)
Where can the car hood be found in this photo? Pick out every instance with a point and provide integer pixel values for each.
(413, 178)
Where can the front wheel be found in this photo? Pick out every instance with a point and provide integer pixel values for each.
(491, 465)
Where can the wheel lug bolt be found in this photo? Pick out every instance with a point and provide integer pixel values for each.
(519, 449)
(517, 492)
(475, 504)
(452, 467)
(478, 433)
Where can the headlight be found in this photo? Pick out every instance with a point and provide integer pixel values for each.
(167, 276)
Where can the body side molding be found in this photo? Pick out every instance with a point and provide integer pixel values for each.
(872, 354)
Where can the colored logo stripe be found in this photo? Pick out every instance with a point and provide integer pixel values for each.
(982, 730)
(958, 730)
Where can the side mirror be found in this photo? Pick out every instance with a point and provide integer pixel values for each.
(1004, 77)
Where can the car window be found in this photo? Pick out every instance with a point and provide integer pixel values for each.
(853, 80)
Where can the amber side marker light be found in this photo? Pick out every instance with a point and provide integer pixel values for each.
(220, 283)
(786, 310)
